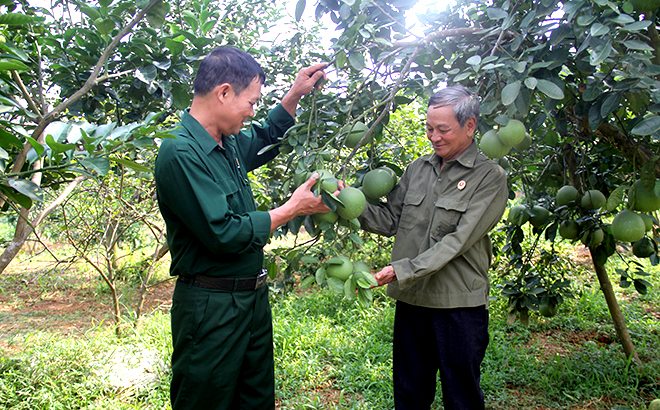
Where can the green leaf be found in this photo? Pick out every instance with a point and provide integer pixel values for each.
(598, 57)
(598, 30)
(156, 14)
(349, 288)
(336, 284)
(496, 13)
(637, 26)
(27, 188)
(637, 45)
(57, 147)
(550, 89)
(146, 74)
(300, 9)
(647, 126)
(307, 282)
(474, 60)
(16, 197)
(99, 164)
(40, 149)
(132, 165)
(14, 19)
(531, 82)
(611, 103)
(104, 26)
(510, 93)
(356, 60)
(7, 65)
(616, 198)
(9, 139)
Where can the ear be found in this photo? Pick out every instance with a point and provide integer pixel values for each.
(222, 92)
(471, 126)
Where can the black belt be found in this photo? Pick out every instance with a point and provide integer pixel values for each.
(233, 284)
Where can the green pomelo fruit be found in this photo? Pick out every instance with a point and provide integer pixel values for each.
(645, 200)
(372, 201)
(327, 180)
(339, 267)
(354, 203)
(628, 226)
(643, 6)
(569, 229)
(377, 182)
(330, 216)
(567, 195)
(548, 309)
(390, 171)
(491, 145)
(355, 134)
(648, 221)
(360, 266)
(525, 144)
(593, 238)
(654, 405)
(513, 133)
(593, 199)
(643, 248)
(518, 215)
(504, 163)
(539, 216)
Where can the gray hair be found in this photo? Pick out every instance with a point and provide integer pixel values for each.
(464, 101)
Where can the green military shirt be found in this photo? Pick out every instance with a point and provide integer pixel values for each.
(441, 217)
(213, 227)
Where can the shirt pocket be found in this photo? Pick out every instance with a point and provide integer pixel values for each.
(230, 189)
(448, 213)
(412, 208)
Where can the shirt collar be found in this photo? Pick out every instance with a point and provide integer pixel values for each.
(467, 157)
(198, 133)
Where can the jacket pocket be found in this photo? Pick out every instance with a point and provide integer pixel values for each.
(448, 213)
(410, 214)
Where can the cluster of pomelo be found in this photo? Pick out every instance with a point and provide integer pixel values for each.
(497, 143)
(629, 225)
(348, 277)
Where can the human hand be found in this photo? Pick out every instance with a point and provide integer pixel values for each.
(385, 276)
(304, 200)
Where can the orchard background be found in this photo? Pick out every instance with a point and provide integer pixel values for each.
(88, 90)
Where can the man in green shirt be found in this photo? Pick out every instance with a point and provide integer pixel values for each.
(441, 212)
(221, 320)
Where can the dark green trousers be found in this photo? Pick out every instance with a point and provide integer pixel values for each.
(222, 349)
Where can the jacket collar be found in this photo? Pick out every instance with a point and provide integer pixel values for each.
(198, 133)
(467, 157)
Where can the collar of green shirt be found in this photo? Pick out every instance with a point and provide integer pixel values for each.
(199, 133)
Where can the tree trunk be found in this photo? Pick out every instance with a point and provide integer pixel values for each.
(23, 229)
(615, 312)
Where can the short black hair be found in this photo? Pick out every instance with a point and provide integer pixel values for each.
(227, 65)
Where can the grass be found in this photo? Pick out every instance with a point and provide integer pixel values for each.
(331, 353)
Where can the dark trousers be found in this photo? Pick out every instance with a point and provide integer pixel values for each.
(427, 340)
(222, 349)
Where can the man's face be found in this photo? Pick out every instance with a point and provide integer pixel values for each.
(447, 137)
(239, 108)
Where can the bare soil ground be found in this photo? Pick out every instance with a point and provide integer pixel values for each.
(58, 298)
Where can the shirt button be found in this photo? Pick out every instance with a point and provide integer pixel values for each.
(439, 179)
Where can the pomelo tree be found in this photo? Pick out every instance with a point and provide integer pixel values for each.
(581, 76)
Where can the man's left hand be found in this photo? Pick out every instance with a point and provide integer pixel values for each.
(385, 276)
(304, 84)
